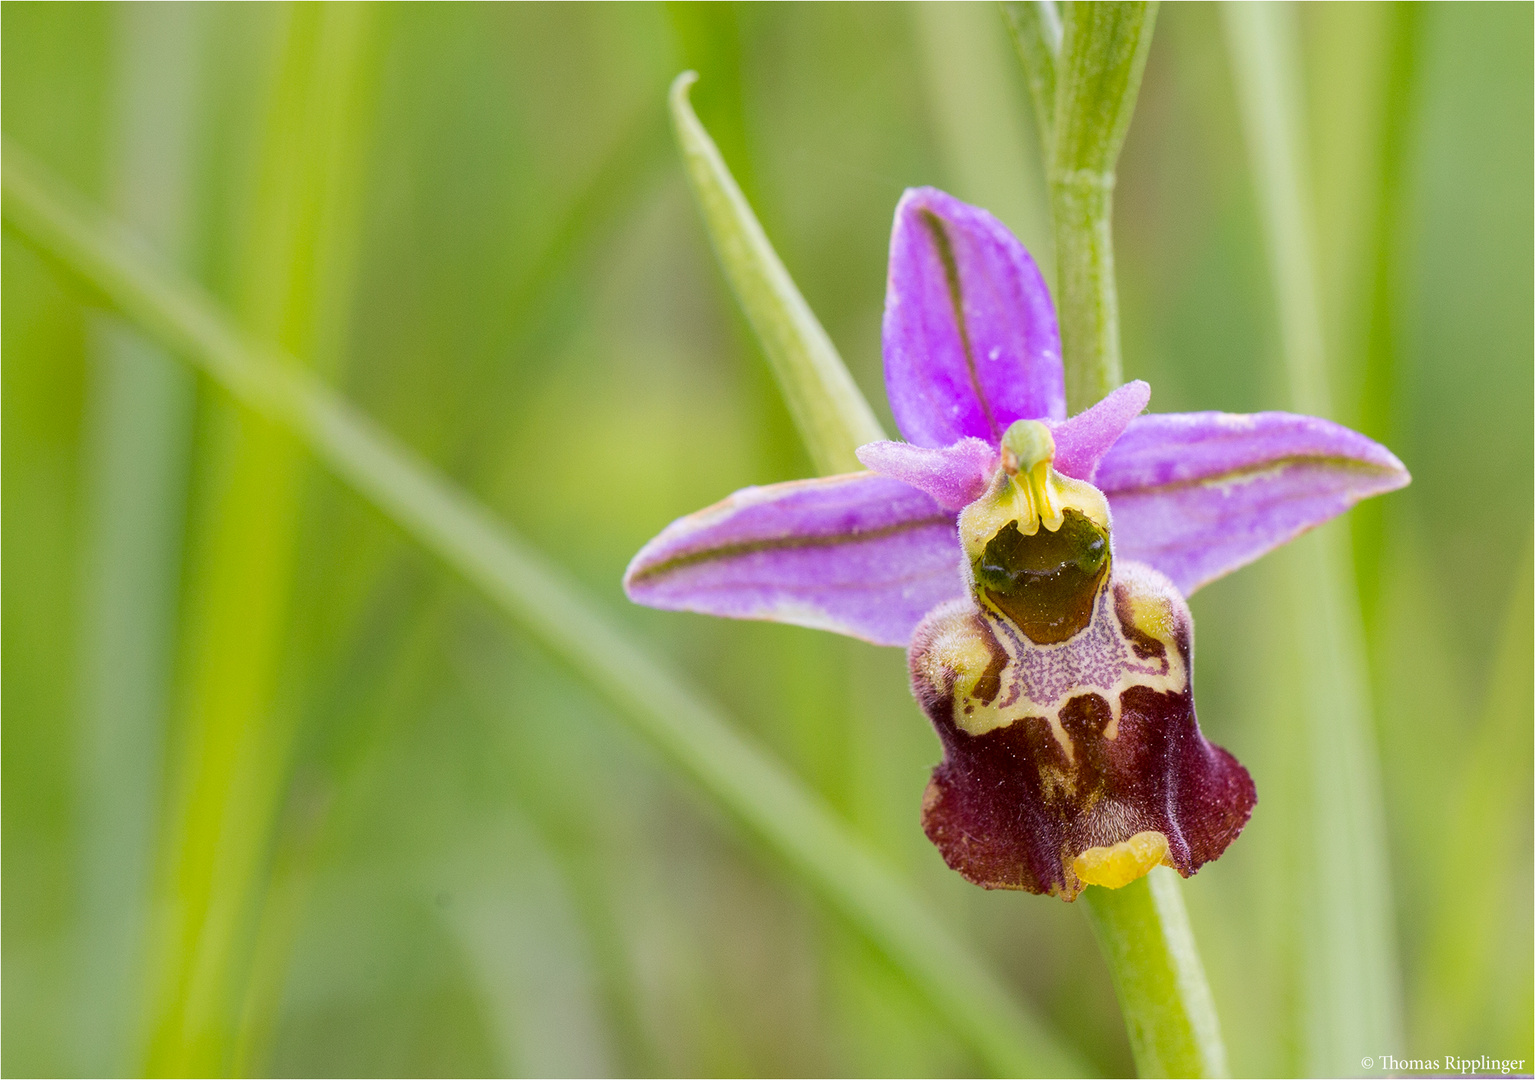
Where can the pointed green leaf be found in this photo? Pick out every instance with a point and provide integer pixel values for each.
(828, 409)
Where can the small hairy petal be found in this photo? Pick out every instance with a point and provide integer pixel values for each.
(861, 554)
(970, 339)
(1057, 757)
(954, 476)
(1081, 442)
(1198, 495)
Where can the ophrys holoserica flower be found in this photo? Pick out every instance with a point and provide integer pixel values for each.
(1034, 566)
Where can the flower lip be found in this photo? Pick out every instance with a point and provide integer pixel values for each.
(1079, 762)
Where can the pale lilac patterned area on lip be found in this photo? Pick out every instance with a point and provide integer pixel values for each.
(1081, 442)
(954, 475)
(1197, 495)
(947, 377)
(861, 555)
(1096, 659)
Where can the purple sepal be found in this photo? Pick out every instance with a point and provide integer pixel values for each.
(970, 339)
(1197, 495)
(1081, 442)
(954, 475)
(861, 554)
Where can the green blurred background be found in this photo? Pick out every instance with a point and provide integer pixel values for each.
(443, 856)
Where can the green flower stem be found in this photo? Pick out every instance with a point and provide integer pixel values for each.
(1144, 934)
(1084, 63)
(1097, 78)
(1143, 930)
(1347, 978)
(685, 728)
(832, 415)
(1087, 303)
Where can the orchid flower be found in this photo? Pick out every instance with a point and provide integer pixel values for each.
(1034, 566)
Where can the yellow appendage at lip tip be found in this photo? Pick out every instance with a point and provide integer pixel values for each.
(1116, 866)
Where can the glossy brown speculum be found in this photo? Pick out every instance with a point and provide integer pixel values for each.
(1046, 583)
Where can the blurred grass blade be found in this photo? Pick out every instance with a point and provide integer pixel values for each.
(539, 312)
(1262, 40)
(233, 738)
(539, 317)
(828, 408)
(1473, 967)
(138, 421)
(1380, 377)
(687, 729)
(989, 156)
(1349, 983)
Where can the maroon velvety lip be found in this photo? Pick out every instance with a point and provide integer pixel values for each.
(987, 810)
(1010, 808)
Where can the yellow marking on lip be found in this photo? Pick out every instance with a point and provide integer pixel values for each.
(1116, 866)
(957, 648)
(1153, 616)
